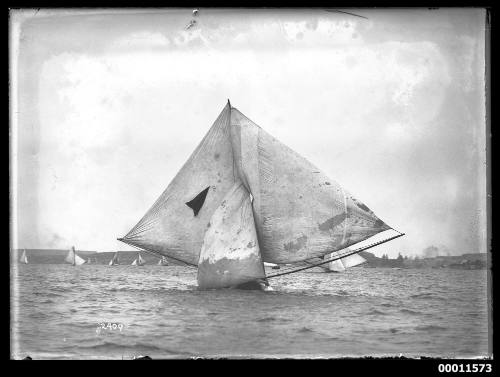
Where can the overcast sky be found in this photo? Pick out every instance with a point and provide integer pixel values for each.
(109, 104)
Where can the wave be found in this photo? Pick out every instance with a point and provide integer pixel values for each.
(48, 301)
(305, 329)
(375, 312)
(409, 311)
(270, 319)
(429, 327)
(47, 294)
(136, 347)
(39, 315)
(426, 295)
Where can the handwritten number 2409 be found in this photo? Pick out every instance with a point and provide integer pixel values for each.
(111, 326)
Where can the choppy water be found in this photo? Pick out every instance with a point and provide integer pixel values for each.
(56, 310)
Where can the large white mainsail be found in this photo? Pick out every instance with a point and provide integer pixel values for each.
(73, 258)
(298, 212)
(24, 257)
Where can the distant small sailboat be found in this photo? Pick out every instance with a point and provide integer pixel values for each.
(24, 257)
(73, 259)
(163, 262)
(88, 260)
(114, 261)
(139, 261)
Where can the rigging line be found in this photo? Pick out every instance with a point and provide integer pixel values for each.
(150, 217)
(311, 264)
(156, 252)
(338, 257)
(155, 208)
(339, 11)
(135, 234)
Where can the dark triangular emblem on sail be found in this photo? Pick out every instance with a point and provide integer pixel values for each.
(198, 201)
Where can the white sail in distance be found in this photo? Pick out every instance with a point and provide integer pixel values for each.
(163, 262)
(24, 257)
(114, 261)
(299, 213)
(342, 264)
(138, 261)
(73, 259)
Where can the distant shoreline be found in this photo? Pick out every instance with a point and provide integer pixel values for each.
(469, 261)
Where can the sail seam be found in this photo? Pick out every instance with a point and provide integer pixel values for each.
(346, 217)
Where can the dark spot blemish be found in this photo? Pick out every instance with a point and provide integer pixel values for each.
(361, 205)
(332, 222)
(295, 246)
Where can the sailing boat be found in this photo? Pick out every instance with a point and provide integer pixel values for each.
(139, 261)
(73, 259)
(243, 198)
(24, 257)
(114, 261)
(163, 262)
(88, 260)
